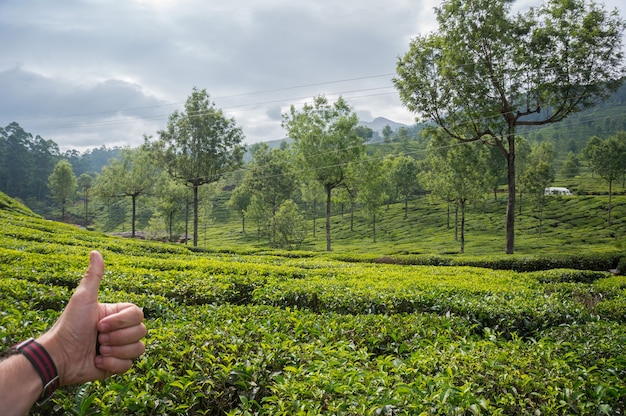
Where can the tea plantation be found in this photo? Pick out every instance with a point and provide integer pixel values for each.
(300, 333)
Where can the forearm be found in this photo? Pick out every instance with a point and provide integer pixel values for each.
(20, 385)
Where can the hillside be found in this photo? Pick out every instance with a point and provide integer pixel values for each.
(282, 333)
(570, 225)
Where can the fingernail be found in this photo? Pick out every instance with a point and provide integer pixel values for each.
(103, 338)
(98, 360)
(105, 350)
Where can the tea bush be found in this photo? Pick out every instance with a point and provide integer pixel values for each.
(274, 333)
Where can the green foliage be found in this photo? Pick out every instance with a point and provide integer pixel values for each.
(290, 225)
(198, 146)
(326, 142)
(235, 332)
(485, 71)
(62, 183)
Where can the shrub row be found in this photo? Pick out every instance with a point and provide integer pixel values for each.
(596, 261)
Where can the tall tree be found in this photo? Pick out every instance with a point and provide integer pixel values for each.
(85, 183)
(199, 146)
(312, 193)
(403, 176)
(457, 172)
(171, 198)
(484, 72)
(326, 141)
(17, 161)
(373, 182)
(44, 155)
(608, 160)
(387, 133)
(239, 200)
(538, 175)
(62, 184)
(271, 177)
(132, 175)
(571, 166)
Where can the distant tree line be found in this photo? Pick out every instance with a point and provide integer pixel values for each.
(26, 162)
(275, 193)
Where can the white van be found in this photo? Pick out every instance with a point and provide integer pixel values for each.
(557, 191)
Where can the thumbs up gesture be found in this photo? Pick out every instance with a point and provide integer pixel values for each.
(92, 340)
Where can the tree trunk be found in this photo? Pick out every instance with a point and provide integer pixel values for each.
(195, 215)
(610, 199)
(352, 216)
(170, 224)
(328, 192)
(186, 220)
(314, 216)
(86, 210)
(132, 219)
(374, 226)
(456, 221)
(510, 203)
(462, 226)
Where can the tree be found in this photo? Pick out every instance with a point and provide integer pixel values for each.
(326, 142)
(85, 183)
(387, 133)
(571, 166)
(311, 193)
(372, 186)
(272, 179)
(239, 201)
(44, 155)
(17, 164)
(483, 72)
(171, 199)
(403, 176)
(365, 133)
(290, 225)
(608, 159)
(538, 175)
(132, 175)
(496, 170)
(199, 146)
(457, 172)
(62, 184)
(522, 155)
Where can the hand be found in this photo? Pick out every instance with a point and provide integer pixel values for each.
(71, 342)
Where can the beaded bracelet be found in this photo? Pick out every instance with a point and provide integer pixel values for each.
(41, 360)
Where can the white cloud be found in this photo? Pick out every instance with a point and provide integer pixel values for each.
(94, 71)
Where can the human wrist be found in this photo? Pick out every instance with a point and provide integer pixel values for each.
(55, 351)
(43, 364)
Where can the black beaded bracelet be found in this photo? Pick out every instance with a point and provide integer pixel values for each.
(41, 360)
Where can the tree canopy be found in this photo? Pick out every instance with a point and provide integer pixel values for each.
(199, 145)
(326, 139)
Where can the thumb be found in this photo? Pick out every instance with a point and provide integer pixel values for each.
(90, 284)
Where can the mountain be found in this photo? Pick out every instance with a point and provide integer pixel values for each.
(380, 122)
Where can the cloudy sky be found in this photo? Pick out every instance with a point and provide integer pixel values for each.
(90, 72)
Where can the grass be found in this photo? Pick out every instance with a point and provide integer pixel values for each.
(570, 225)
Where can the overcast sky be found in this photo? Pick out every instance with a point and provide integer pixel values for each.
(90, 72)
